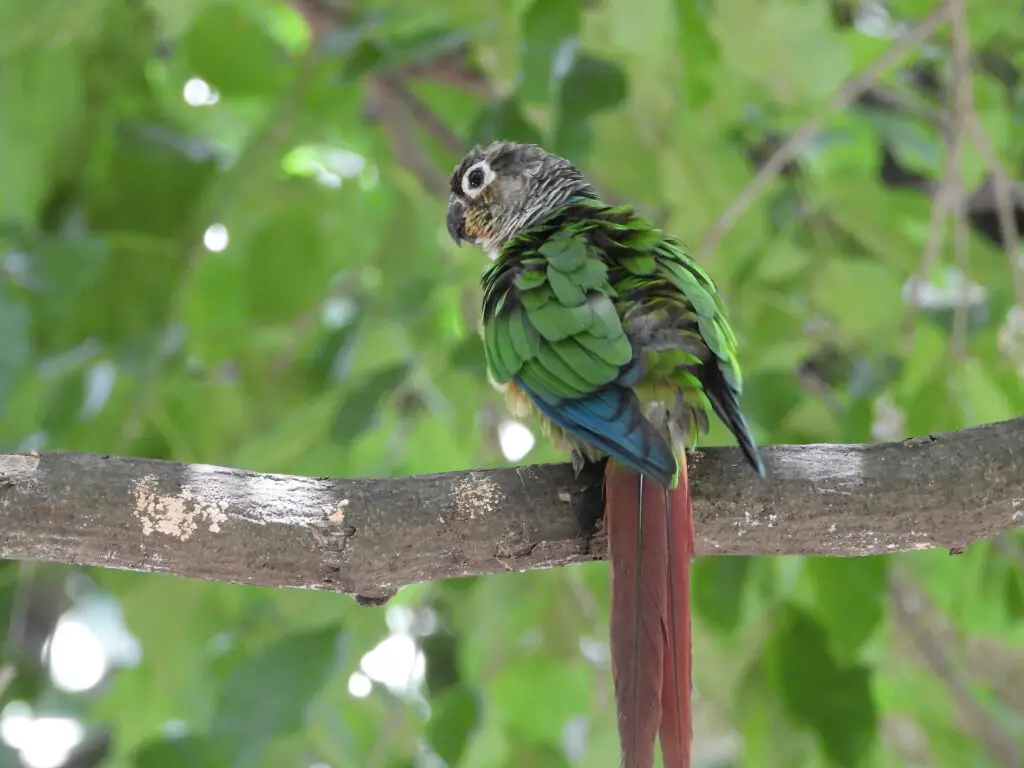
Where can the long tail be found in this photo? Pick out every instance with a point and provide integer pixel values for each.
(651, 542)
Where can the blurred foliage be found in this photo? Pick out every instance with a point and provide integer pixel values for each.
(222, 241)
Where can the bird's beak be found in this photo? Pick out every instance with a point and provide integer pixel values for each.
(456, 220)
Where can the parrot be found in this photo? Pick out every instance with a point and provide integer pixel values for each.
(606, 329)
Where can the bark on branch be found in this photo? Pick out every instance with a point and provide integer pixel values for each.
(370, 536)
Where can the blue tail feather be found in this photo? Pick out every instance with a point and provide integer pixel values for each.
(611, 420)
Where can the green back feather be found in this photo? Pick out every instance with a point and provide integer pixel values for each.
(571, 301)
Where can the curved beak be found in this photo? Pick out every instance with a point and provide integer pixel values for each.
(456, 220)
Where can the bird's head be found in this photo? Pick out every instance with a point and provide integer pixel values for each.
(499, 190)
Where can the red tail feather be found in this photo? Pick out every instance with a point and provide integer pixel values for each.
(652, 678)
(676, 725)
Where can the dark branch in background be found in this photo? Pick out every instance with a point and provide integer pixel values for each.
(799, 140)
(405, 118)
(397, 109)
(451, 69)
(371, 536)
(424, 115)
(392, 113)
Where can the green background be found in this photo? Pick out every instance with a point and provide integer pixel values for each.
(335, 335)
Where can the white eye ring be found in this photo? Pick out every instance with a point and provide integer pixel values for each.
(488, 177)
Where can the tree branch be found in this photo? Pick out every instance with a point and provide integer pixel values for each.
(370, 536)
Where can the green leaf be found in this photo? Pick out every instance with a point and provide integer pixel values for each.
(453, 716)
(700, 172)
(981, 397)
(291, 436)
(698, 51)
(174, 16)
(286, 269)
(536, 696)
(787, 47)
(441, 651)
(538, 756)
(840, 287)
(955, 591)
(63, 400)
(40, 24)
(917, 146)
(215, 309)
(503, 120)
(15, 346)
(365, 57)
(1014, 580)
(878, 220)
(360, 408)
(41, 98)
(469, 356)
(850, 599)
(591, 86)
(265, 695)
(152, 184)
(549, 26)
(175, 752)
(172, 676)
(833, 700)
(718, 590)
(770, 738)
(923, 363)
(229, 49)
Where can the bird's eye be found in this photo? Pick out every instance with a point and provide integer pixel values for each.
(475, 179)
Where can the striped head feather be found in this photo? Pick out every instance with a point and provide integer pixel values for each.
(499, 190)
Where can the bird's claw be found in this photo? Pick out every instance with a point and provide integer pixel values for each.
(578, 462)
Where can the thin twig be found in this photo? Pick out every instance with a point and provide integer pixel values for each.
(962, 100)
(944, 200)
(424, 115)
(393, 116)
(948, 201)
(907, 604)
(451, 69)
(881, 97)
(958, 333)
(803, 135)
(1002, 187)
(8, 673)
(322, 18)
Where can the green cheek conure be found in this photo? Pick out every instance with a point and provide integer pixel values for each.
(620, 342)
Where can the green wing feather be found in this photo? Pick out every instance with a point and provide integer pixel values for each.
(567, 305)
(560, 333)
